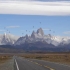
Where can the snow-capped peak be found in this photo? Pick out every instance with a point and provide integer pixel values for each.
(40, 32)
(33, 35)
(8, 39)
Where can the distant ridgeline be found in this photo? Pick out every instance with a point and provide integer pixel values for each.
(33, 47)
(36, 42)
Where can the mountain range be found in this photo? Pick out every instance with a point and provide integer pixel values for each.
(37, 41)
(40, 36)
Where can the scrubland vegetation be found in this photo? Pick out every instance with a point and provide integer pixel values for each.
(4, 57)
(53, 57)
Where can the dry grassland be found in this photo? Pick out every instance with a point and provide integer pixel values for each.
(53, 57)
(4, 58)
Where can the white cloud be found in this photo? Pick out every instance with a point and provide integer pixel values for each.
(12, 26)
(67, 32)
(2, 30)
(46, 29)
(35, 8)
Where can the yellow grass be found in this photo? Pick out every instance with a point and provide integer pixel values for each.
(53, 57)
(4, 58)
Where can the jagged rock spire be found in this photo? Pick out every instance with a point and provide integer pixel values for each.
(40, 31)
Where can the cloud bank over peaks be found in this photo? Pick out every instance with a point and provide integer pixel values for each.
(30, 7)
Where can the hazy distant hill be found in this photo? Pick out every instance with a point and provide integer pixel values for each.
(36, 47)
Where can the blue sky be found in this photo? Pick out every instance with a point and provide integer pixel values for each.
(17, 17)
(18, 24)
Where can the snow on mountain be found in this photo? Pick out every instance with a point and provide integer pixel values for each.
(57, 40)
(8, 39)
(22, 40)
(39, 36)
(34, 34)
(40, 32)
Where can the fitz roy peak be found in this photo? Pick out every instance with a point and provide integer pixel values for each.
(40, 32)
